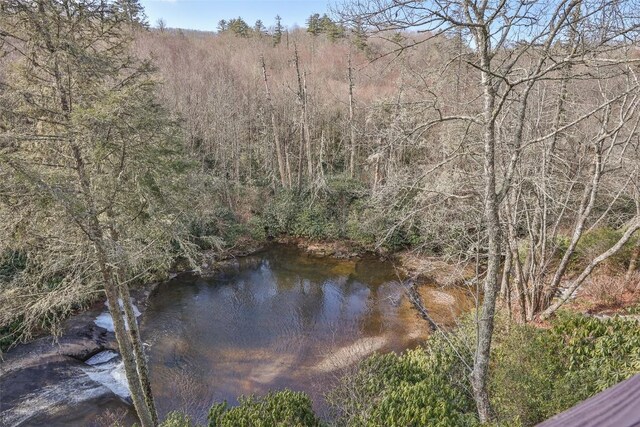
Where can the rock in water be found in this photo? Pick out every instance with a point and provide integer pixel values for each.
(345, 356)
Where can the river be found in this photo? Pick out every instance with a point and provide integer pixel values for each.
(276, 319)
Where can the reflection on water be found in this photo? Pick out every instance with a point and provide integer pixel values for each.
(278, 319)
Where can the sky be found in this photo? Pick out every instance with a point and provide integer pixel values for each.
(205, 14)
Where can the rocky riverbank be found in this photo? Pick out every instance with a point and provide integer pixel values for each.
(421, 268)
(66, 377)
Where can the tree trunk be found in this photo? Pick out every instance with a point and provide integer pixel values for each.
(134, 330)
(633, 263)
(305, 127)
(305, 136)
(515, 256)
(480, 373)
(274, 127)
(124, 345)
(125, 341)
(586, 206)
(505, 283)
(505, 286)
(352, 130)
(138, 351)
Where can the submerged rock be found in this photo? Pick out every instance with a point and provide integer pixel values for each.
(348, 355)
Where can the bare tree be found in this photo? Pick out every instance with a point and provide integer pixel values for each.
(284, 178)
(161, 25)
(352, 129)
(514, 47)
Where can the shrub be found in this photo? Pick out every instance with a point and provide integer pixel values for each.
(221, 226)
(343, 208)
(426, 386)
(11, 263)
(368, 226)
(257, 228)
(318, 215)
(535, 374)
(599, 353)
(177, 419)
(279, 213)
(538, 373)
(356, 227)
(276, 409)
(313, 221)
(341, 197)
(605, 288)
(526, 378)
(595, 242)
(9, 333)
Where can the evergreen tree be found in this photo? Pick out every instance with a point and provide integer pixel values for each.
(222, 26)
(134, 11)
(277, 31)
(313, 24)
(259, 28)
(325, 23)
(359, 36)
(90, 171)
(239, 27)
(333, 31)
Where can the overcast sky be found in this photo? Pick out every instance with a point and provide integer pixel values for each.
(205, 14)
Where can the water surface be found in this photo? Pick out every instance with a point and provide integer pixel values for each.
(276, 319)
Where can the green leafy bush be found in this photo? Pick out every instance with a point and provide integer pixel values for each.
(527, 376)
(11, 263)
(371, 226)
(314, 222)
(276, 409)
(426, 386)
(177, 419)
(357, 229)
(8, 333)
(341, 209)
(257, 228)
(604, 352)
(318, 215)
(595, 242)
(279, 213)
(535, 374)
(221, 226)
(538, 373)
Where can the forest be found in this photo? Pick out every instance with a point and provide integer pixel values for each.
(499, 139)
